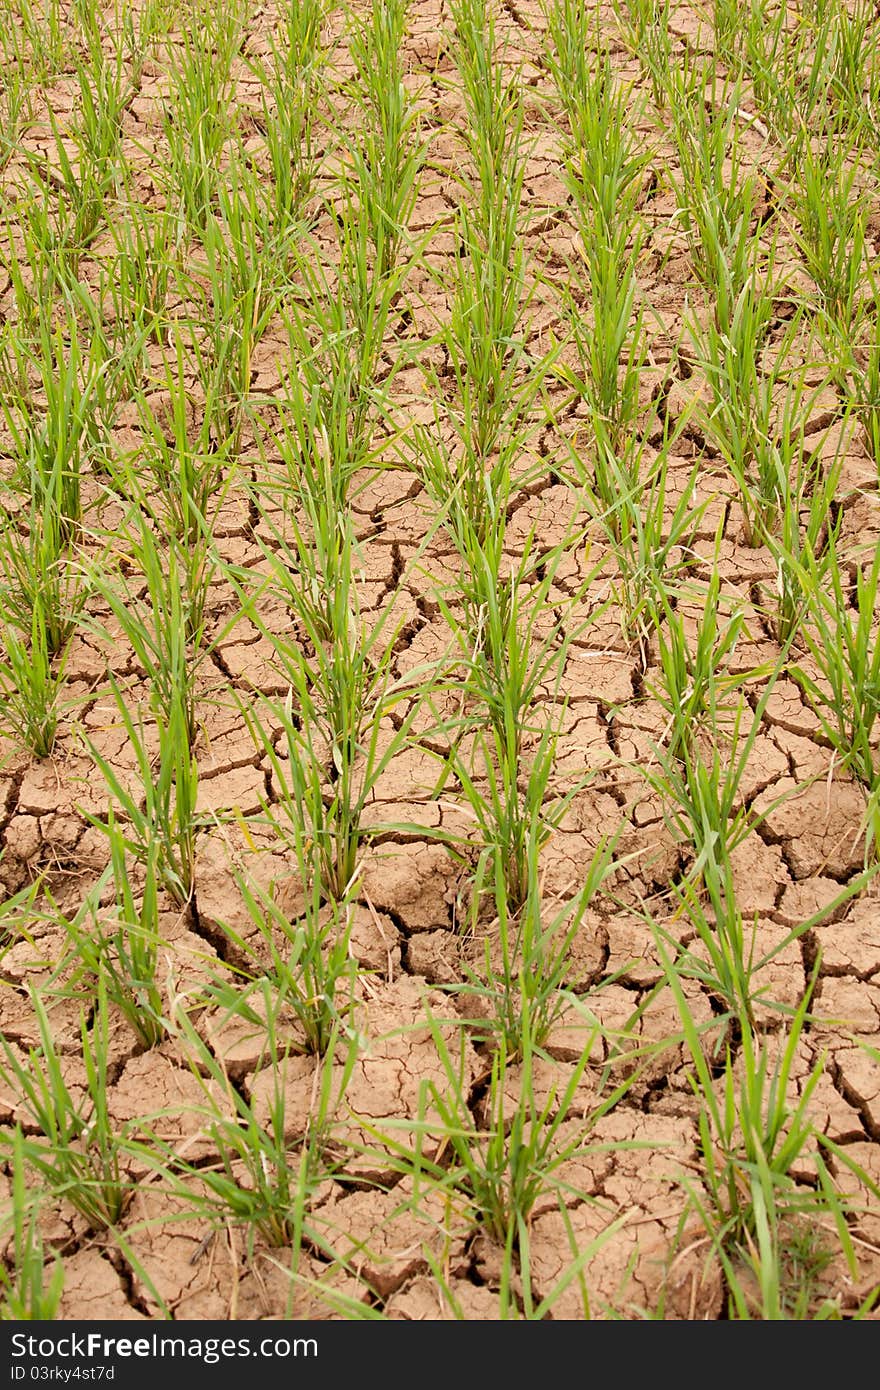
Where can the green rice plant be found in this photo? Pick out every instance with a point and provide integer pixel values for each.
(16, 111)
(809, 519)
(728, 19)
(120, 946)
(76, 1152)
(494, 384)
(864, 371)
(703, 791)
(472, 500)
(189, 459)
(106, 90)
(484, 341)
(571, 33)
(236, 300)
(831, 211)
(388, 154)
(40, 578)
(30, 684)
(266, 1176)
(370, 302)
(691, 684)
(704, 808)
(626, 492)
(76, 183)
(526, 989)
(334, 745)
(136, 31)
(645, 28)
(849, 37)
(493, 102)
(302, 958)
(161, 819)
(745, 417)
(781, 59)
(491, 384)
(54, 440)
(197, 118)
(509, 655)
(25, 1293)
(611, 340)
(38, 38)
(329, 399)
(291, 83)
(716, 199)
(503, 1168)
(52, 240)
(494, 378)
(163, 627)
(140, 270)
(840, 634)
(754, 1134)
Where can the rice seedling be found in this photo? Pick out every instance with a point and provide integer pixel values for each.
(691, 683)
(330, 398)
(25, 1292)
(189, 459)
(140, 271)
(76, 1152)
(41, 579)
(335, 737)
(716, 198)
(503, 1167)
(388, 155)
(604, 165)
(17, 109)
(30, 684)
(809, 521)
(866, 391)
(291, 83)
(38, 38)
(840, 635)
(53, 442)
(485, 339)
(645, 28)
(849, 37)
(197, 116)
(302, 959)
(120, 946)
(702, 801)
(266, 1175)
(507, 664)
(240, 298)
(165, 629)
(105, 92)
(525, 984)
(728, 20)
(157, 807)
(831, 212)
(745, 418)
(626, 492)
(135, 32)
(779, 60)
(753, 1137)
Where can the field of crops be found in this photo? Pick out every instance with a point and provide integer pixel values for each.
(439, 659)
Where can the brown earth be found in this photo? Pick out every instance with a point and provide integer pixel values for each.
(630, 1179)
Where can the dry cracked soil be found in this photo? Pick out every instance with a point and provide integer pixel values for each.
(631, 1176)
